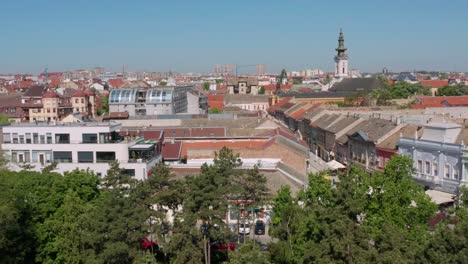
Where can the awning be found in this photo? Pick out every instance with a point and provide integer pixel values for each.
(335, 165)
(141, 147)
(439, 197)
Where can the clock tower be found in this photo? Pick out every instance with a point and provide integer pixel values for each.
(341, 59)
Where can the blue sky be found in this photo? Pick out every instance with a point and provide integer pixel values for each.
(194, 35)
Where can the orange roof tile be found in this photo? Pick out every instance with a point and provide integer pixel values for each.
(434, 83)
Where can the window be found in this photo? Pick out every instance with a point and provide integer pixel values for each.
(6, 138)
(76, 101)
(105, 156)
(34, 156)
(85, 157)
(42, 139)
(455, 174)
(21, 139)
(89, 138)
(28, 138)
(63, 156)
(35, 138)
(15, 138)
(49, 138)
(435, 165)
(428, 167)
(447, 170)
(82, 101)
(62, 138)
(128, 172)
(27, 157)
(420, 169)
(48, 110)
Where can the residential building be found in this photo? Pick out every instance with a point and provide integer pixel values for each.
(86, 145)
(242, 85)
(362, 143)
(247, 102)
(437, 156)
(163, 100)
(42, 104)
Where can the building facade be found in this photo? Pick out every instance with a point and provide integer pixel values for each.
(155, 101)
(437, 157)
(87, 145)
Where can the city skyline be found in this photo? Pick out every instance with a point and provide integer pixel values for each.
(184, 36)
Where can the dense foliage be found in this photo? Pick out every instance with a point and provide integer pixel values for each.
(453, 90)
(379, 218)
(79, 218)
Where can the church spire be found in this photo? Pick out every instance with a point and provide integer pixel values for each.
(341, 48)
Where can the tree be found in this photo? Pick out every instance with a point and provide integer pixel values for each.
(381, 96)
(104, 106)
(206, 86)
(215, 110)
(282, 78)
(452, 90)
(443, 76)
(261, 90)
(248, 253)
(4, 119)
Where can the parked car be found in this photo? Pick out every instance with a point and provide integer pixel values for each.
(259, 228)
(244, 229)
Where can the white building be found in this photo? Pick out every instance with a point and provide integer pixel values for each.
(87, 145)
(437, 156)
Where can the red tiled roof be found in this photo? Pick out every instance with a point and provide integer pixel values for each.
(54, 82)
(232, 144)
(298, 114)
(434, 83)
(151, 134)
(216, 101)
(171, 150)
(116, 83)
(89, 92)
(176, 132)
(279, 104)
(50, 94)
(79, 93)
(272, 87)
(440, 101)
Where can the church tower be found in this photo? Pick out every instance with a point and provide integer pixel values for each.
(341, 59)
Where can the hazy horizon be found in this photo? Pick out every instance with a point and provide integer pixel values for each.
(194, 36)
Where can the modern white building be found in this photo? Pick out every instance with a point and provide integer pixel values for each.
(86, 145)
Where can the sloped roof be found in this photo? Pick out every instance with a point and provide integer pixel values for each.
(171, 150)
(353, 85)
(375, 129)
(344, 139)
(341, 124)
(434, 83)
(35, 91)
(407, 131)
(441, 101)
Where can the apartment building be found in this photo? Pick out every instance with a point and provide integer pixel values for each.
(437, 156)
(164, 100)
(86, 145)
(42, 104)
